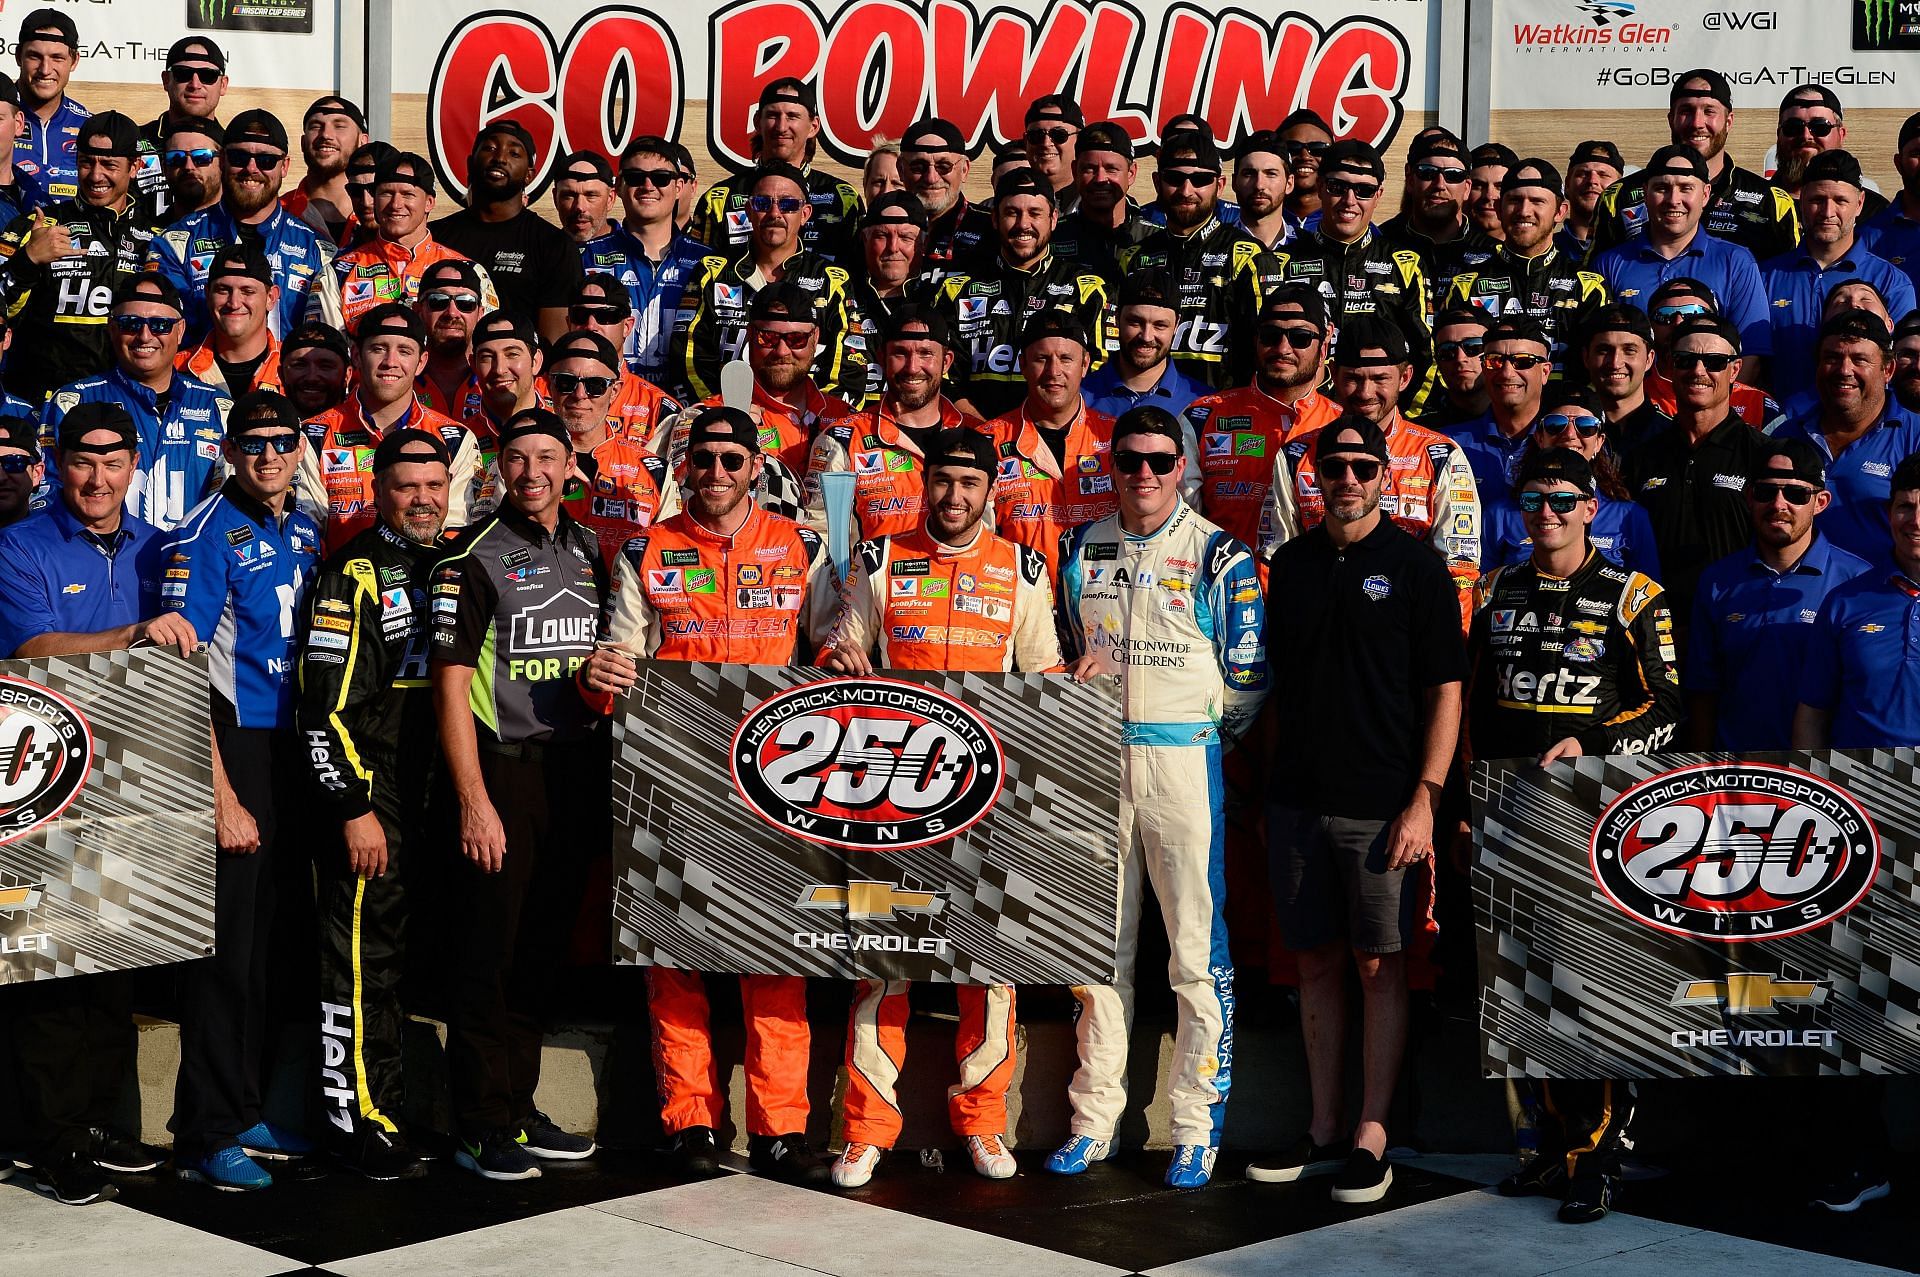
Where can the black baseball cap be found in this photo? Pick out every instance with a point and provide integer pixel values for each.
(391, 319)
(1833, 166)
(776, 168)
(1556, 465)
(916, 317)
(534, 421)
(1055, 106)
(584, 166)
(1803, 462)
(1260, 142)
(1150, 419)
(581, 344)
(1492, 155)
(1022, 181)
(1909, 325)
(1676, 161)
(192, 125)
(932, 136)
(1617, 317)
(196, 48)
(789, 89)
(110, 134)
(85, 418)
(1372, 441)
(1598, 152)
(17, 430)
(149, 287)
(1909, 129)
(1519, 328)
(455, 271)
(1104, 135)
(961, 446)
(411, 444)
(896, 208)
(1683, 286)
(365, 160)
(1054, 323)
(1428, 145)
(1812, 95)
(407, 168)
(262, 127)
(1712, 85)
(720, 424)
(1709, 326)
(1856, 325)
(1189, 148)
(505, 325)
(1149, 286)
(1369, 332)
(1297, 301)
(258, 409)
(513, 129)
(1455, 316)
(785, 301)
(599, 286)
(244, 259)
(1533, 171)
(1352, 158)
(50, 24)
(334, 104)
(1304, 115)
(316, 336)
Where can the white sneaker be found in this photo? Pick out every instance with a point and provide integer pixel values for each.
(854, 1167)
(991, 1158)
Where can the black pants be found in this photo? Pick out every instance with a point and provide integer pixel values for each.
(1590, 1123)
(515, 925)
(224, 1011)
(72, 1049)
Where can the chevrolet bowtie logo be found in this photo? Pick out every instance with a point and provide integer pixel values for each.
(16, 898)
(1750, 992)
(871, 901)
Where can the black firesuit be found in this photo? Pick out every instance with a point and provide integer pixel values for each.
(1550, 289)
(59, 310)
(987, 311)
(717, 302)
(720, 217)
(1370, 276)
(1224, 276)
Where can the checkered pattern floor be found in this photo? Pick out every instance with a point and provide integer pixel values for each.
(626, 1213)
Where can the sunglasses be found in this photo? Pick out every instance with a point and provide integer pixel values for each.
(787, 204)
(201, 156)
(565, 383)
(580, 316)
(1558, 502)
(1668, 314)
(1804, 128)
(768, 338)
(255, 445)
(1520, 363)
(465, 303)
(1298, 338)
(661, 178)
(1428, 172)
(922, 167)
(1338, 186)
(1767, 493)
(206, 75)
(1340, 468)
(1130, 462)
(262, 160)
(1306, 148)
(1689, 360)
(158, 325)
(707, 459)
(16, 463)
(1554, 422)
(1056, 136)
(1198, 178)
(1470, 346)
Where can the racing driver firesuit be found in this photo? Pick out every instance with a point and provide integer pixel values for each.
(888, 461)
(924, 605)
(1370, 276)
(1224, 276)
(1176, 617)
(1241, 432)
(988, 310)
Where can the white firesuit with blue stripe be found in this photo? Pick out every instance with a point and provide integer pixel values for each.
(1176, 617)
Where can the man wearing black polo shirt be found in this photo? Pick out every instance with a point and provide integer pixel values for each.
(1372, 640)
(532, 263)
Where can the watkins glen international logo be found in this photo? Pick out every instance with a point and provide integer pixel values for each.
(46, 751)
(1735, 851)
(868, 763)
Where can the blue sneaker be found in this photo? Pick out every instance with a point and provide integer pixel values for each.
(229, 1169)
(1077, 1154)
(272, 1143)
(1192, 1166)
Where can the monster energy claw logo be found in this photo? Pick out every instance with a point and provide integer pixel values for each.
(1879, 16)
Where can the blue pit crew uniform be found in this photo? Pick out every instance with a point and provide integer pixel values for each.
(58, 578)
(1182, 607)
(653, 289)
(1633, 270)
(46, 155)
(1861, 479)
(1493, 457)
(1797, 288)
(180, 461)
(301, 257)
(1863, 662)
(1104, 392)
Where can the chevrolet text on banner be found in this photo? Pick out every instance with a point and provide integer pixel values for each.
(106, 814)
(1681, 915)
(925, 826)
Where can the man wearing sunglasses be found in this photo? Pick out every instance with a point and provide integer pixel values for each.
(1515, 363)
(934, 166)
(240, 565)
(23, 469)
(1591, 169)
(1223, 274)
(1526, 274)
(1224, 208)
(977, 601)
(387, 267)
(1459, 336)
(1053, 125)
(189, 159)
(240, 353)
(987, 308)
(450, 305)
(720, 298)
(1571, 656)
(1105, 218)
(1169, 607)
(1433, 221)
(195, 80)
(639, 408)
(1812, 123)
(330, 132)
(617, 488)
(722, 581)
(59, 265)
(786, 130)
(1674, 303)
(652, 260)
(253, 166)
(1306, 138)
(48, 54)
(13, 194)
(1617, 349)
(892, 233)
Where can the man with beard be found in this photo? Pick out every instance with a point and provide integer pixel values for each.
(190, 160)
(1906, 363)
(1306, 138)
(1053, 126)
(1616, 345)
(638, 408)
(786, 129)
(1894, 232)
(934, 165)
(239, 353)
(654, 614)
(1142, 368)
(195, 79)
(891, 233)
(1740, 205)
(1459, 336)
(253, 165)
(1104, 220)
(649, 256)
(1811, 123)
(1591, 169)
(330, 132)
(583, 196)
(450, 304)
(365, 714)
(59, 266)
(533, 265)
(1261, 184)
(388, 266)
(314, 361)
(617, 488)
(49, 122)
(1433, 221)
(987, 308)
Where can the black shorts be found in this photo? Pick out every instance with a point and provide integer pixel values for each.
(1330, 881)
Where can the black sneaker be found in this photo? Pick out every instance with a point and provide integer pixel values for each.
(1365, 1178)
(73, 1180)
(1589, 1198)
(123, 1156)
(697, 1150)
(1852, 1191)
(551, 1144)
(497, 1156)
(1543, 1175)
(381, 1156)
(1304, 1158)
(787, 1158)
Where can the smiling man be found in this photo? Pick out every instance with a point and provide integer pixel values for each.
(532, 263)
(389, 265)
(786, 130)
(239, 353)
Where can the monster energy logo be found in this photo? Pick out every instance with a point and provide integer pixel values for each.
(250, 15)
(1879, 16)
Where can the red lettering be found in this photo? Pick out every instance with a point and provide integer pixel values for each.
(1358, 80)
(1111, 49)
(752, 46)
(1256, 80)
(620, 79)
(494, 67)
(880, 45)
(1184, 41)
(999, 70)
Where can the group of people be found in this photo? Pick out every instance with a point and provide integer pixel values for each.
(1540, 465)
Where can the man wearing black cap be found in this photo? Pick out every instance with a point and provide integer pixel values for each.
(719, 298)
(617, 487)
(1193, 127)
(1516, 361)
(361, 166)
(532, 263)
(1433, 221)
(1798, 282)
(13, 194)
(934, 166)
(583, 195)
(365, 715)
(314, 362)
(1053, 126)
(786, 126)
(254, 165)
(195, 79)
(1812, 122)
(507, 358)
(1526, 274)
(639, 408)
(189, 159)
(1487, 166)
(43, 154)
(449, 303)
(1306, 137)
(1222, 274)
(240, 353)
(388, 266)
(1617, 348)
(1544, 685)
(330, 132)
(1104, 219)
(988, 306)
(1591, 169)
(1261, 184)
(522, 745)
(23, 469)
(1459, 335)
(59, 265)
(1894, 232)
(892, 231)
(1142, 368)
(1739, 204)
(1906, 363)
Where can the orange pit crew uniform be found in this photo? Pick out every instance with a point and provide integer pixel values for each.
(887, 465)
(1241, 432)
(617, 491)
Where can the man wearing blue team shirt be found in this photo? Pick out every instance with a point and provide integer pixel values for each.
(1142, 370)
(650, 257)
(44, 153)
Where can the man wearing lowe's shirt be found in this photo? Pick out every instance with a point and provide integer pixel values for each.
(237, 570)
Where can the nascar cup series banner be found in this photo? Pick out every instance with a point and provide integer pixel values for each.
(585, 75)
(1686, 915)
(925, 826)
(106, 814)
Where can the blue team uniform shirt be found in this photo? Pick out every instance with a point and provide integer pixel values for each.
(301, 257)
(1103, 392)
(46, 157)
(1797, 288)
(1491, 455)
(1620, 530)
(1633, 271)
(1751, 626)
(238, 574)
(654, 291)
(1863, 662)
(1861, 480)
(1894, 237)
(180, 459)
(58, 578)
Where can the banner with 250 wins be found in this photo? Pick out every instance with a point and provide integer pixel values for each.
(106, 814)
(1689, 915)
(911, 825)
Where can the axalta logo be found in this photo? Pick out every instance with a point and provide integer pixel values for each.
(46, 751)
(868, 763)
(1735, 851)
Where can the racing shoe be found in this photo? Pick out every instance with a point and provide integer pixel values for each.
(787, 1158)
(1543, 1175)
(854, 1167)
(551, 1144)
(73, 1180)
(697, 1151)
(381, 1156)
(497, 1155)
(123, 1156)
(1077, 1154)
(228, 1169)
(991, 1158)
(1589, 1198)
(1192, 1166)
(269, 1143)
(1851, 1191)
